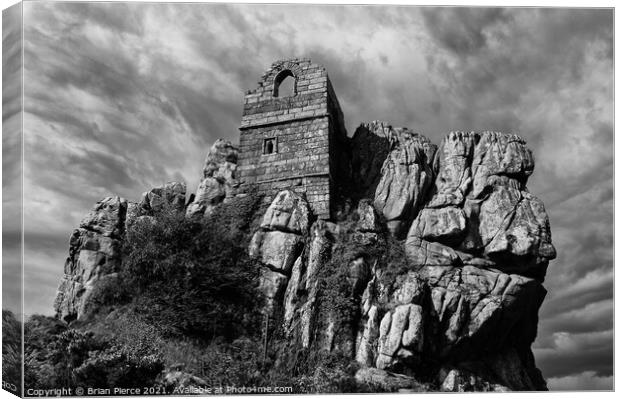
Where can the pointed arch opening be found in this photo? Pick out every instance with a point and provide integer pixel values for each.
(285, 84)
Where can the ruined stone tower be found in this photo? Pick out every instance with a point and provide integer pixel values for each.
(293, 141)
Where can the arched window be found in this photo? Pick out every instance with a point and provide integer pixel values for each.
(284, 84)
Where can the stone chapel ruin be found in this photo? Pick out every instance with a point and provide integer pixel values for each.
(294, 142)
(422, 263)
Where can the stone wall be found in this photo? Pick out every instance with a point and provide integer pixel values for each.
(304, 129)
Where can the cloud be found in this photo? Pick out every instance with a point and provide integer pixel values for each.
(594, 316)
(463, 30)
(571, 353)
(121, 97)
(11, 158)
(586, 381)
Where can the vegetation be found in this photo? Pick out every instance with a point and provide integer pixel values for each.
(60, 357)
(192, 277)
(343, 276)
(11, 352)
(186, 291)
(185, 309)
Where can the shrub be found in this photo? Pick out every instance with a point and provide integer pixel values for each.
(232, 364)
(119, 366)
(340, 287)
(41, 369)
(313, 370)
(193, 278)
(58, 357)
(11, 351)
(333, 373)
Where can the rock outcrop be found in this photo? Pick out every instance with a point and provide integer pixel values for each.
(393, 166)
(480, 203)
(279, 243)
(431, 278)
(94, 257)
(95, 247)
(455, 304)
(169, 197)
(218, 178)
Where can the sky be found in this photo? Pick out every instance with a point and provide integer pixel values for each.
(122, 97)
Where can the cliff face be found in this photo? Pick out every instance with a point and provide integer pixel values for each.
(431, 273)
(444, 260)
(95, 254)
(94, 257)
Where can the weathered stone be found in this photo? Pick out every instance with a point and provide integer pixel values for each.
(413, 336)
(272, 284)
(276, 249)
(511, 226)
(391, 333)
(220, 160)
(527, 230)
(106, 217)
(170, 196)
(210, 192)
(368, 220)
(446, 225)
(397, 327)
(319, 251)
(218, 181)
(480, 204)
(509, 369)
(408, 288)
(406, 176)
(290, 296)
(481, 306)
(307, 312)
(454, 177)
(500, 155)
(388, 381)
(456, 380)
(393, 167)
(384, 359)
(94, 258)
(288, 212)
(92, 291)
(425, 253)
(367, 345)
(513, 370)
(369, 148)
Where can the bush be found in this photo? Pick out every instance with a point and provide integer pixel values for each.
(41, 363)
(313, 370)
(341, 284)
(193, 278)
(119, 366)
(58, 357)
(232, 364)
(11, 352)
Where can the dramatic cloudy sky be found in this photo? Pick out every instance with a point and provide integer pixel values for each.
(122, 97)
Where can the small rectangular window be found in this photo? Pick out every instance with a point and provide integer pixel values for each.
(270, 146)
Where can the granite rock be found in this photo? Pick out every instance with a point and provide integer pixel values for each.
(94, 258)
(218, 181)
